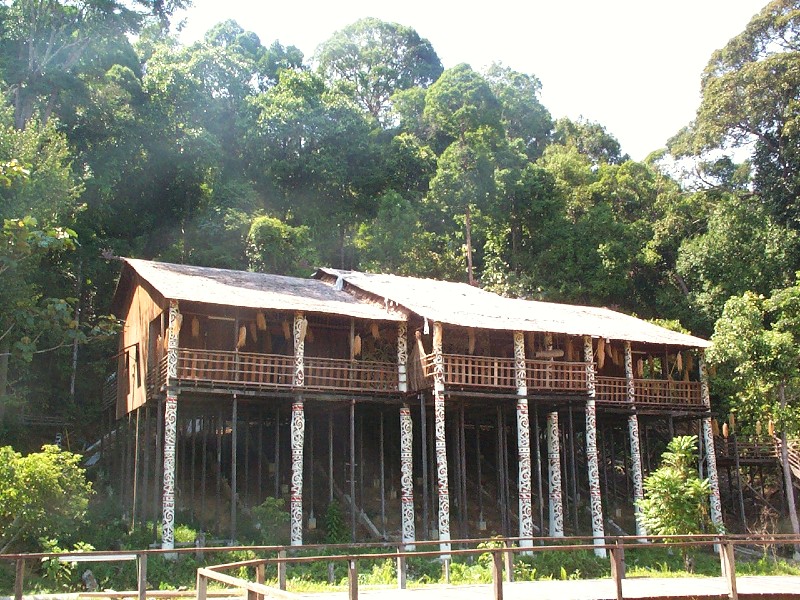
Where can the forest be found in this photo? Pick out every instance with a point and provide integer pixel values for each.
(118, 140)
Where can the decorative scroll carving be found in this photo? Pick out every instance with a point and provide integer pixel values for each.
(554, 476)
(402, 356)
(524, 446)
(519, 363)
(296, 499)
(168, 492)
(708, 445)
(633, 435)
(407, 477)
(173, 336)
(595, 499)
(300, 326)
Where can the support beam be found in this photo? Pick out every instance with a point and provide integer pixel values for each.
(298, 433)
(523, 443)
(633, 434)
(407, 477)
(170, 430)
(595, 498)
(554, 476)
(708, 447)
(441, 445)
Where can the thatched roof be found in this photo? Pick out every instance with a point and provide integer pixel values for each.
(467, 306)
(253, 290)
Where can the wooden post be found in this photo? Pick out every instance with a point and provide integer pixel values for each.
(352, 579)
(424, 453)
(170, 430)
(282, 570)
(592, 460)
(523, 443)
(202, 586)
(497, 575)
(19, 577)
(298, 432)
(234, 444)
(260, 578)
(728, 567)
(554, 476)
(401, 570)
(407, 476)
(441, 443)
(708, 445)
(617, 568)
(633, 434)
(142, 580)
(508, 557)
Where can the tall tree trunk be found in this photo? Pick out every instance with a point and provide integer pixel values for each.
(468, 225)
(787, 476)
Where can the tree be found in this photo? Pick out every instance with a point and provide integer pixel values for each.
(378, 59)
(276, 247)
(42, 494)
(750, 91)
(675, 499)
(757, 339)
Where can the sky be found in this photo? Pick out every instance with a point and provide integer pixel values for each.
(633, 66)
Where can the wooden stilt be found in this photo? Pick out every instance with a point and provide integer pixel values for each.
(539, 465)
(220, 426)
(360, 459)
(463, 456)
(383, 476)
(193, 463)
(260, 493)
(145, 501)
(352, 470)
(246, 487)
(573, 471)
(425, 456)
(481, 518)
(136, 470)
(566, 500)
(277, 451)
(159, 462)
(330, 455)
(204, 430)
(234, 452)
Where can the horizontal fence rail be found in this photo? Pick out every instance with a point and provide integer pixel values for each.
(501, 551)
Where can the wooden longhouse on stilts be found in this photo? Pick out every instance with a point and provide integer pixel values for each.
(487, 414)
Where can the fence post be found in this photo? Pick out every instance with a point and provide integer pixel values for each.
(497, 575)
(142, 579)
(446, 569)
(18, 578)
(202, 586)
(260, 578)
(352, 579)
(282, 570)
(508, 555)
(617, 567)
(401, 569)
(728, 567)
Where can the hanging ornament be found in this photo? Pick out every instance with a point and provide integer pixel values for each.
(195, 327)
(771, 428)
(287, 331)
(261, 321)
(242, 337)
(714, 427)
(357, 345)
(471, 342)
(725, 430)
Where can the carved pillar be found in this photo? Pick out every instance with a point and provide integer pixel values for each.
(708, 446)
(441, 445)
(523, 442)
(298, 432)
(592, 460)
(554, 476)
(633, 434)
(170, 429)
(409, 534)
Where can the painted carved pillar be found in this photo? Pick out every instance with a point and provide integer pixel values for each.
(554, 476)
(298, 432)
(592, 460)
(523, 442)
(708, 446)
(441, 445)
(170, 429)
(408, 535)
(633, 434)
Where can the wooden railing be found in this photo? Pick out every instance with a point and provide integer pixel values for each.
(613, 390)
(649, 392)
(462, 370)
(555, 376)
(252, 370)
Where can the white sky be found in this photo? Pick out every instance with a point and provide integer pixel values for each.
(632, 65)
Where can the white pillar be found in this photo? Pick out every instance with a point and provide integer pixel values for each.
(592, 460)
(298, 433)
(554, 476)
(408, 535)
(633, 434)
(523, 442)
(708, 446)
(170, 429)
(441, 445)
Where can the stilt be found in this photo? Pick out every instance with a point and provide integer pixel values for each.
(330, 456)
(204, 431)
(170, 430)
(742, 513)
(463, 456)
(633, 436)
(260, 495)
(159, 462)
(234, 473)
(220, 426)
(193, 463)
(246, 490)
(277, 452)
(441, 444)
(481, 519)
(352, 471)
(298, 431)
(539, 467)
(554, 476)
(573, 470)
(136, 452)
(566, 500)
(407, 477)
(146, 466)
(383, 477)
(424, 454)
(708, 443)
(523, 443)
(595, 497)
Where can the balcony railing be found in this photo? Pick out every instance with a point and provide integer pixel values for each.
(248, 370)
(650, 392)
(465, 371)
